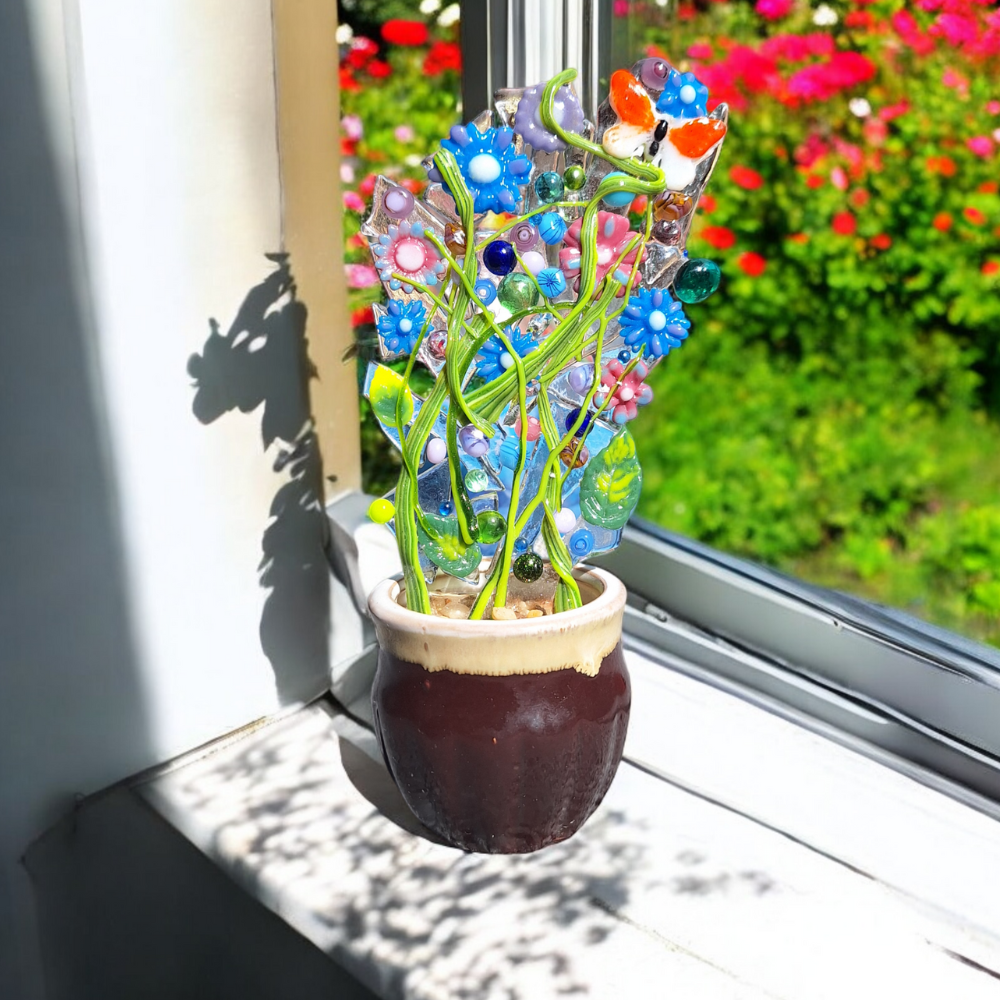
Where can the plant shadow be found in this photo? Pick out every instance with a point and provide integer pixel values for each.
(263, 360)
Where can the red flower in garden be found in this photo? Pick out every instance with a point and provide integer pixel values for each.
(443, 56)
(891, 111)
(845, 224)
(990, 268)
(367, 186)
(700, 50)
(363, 315)
(362, 49)
(379, 69)
(751, 263)
(974, 216)
(707, 204)
(814, 181)
(745, 177)
(859, 197)
(799, 237)
(773, 10)
(719, 237)
(347, 81)
(944, 165)
(823, 80)
(942, 222)
(398, 32)
(988, 187)
(859, 19)
(881, 242)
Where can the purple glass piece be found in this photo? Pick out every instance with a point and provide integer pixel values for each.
(525, 236)
(528, 119)
(397, 202)
(473, 441)
(653, 73)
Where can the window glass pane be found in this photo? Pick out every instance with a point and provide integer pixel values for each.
(835, 412)
(400, 93)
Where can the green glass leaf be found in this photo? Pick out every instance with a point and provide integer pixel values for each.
(612, 483)
(448, 551)
(384, 390)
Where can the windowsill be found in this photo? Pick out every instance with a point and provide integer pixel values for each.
(736, 855)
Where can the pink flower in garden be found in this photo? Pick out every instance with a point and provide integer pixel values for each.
(875, 132)
(955, 80)
(353, 201)
(773, 10)
(957, 29)
(346, 173)
(838, 178)
(620, 8)
(404, 133)
(993, 107)
(352, 127)
(700, 50)
(981, 145)
(627, 397)
(360, 275)
(613, 236)
(891, 111)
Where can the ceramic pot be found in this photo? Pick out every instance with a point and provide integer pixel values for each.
(503, 736)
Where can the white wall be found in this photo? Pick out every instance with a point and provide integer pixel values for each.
(139, 191)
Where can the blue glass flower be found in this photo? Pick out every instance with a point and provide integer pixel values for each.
(490, 165)
(654, 320)
(493, 360)
(401, 325)
(684, 96)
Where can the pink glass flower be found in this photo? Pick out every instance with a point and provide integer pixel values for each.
(627, 397)
(613, 236)
(404, 251)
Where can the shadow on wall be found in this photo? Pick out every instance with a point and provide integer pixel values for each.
(263, 358)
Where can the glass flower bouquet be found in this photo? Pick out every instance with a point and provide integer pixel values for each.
(519, 281)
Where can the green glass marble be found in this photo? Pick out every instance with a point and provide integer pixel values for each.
(549, 186)
(516, 292)
(528, 567)
(476, 481)
(574, 177)
(696, 280)
(491, 526)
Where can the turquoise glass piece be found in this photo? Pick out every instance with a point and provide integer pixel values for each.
(552, 228)
(617, 199)
(549, 187)
(696, 280)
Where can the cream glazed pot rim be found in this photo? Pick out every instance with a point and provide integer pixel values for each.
(577, 639)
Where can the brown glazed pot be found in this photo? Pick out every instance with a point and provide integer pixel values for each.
(503, 736)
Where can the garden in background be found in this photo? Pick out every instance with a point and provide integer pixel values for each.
(836, 410)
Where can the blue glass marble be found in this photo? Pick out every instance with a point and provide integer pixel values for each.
(551, 281)
(552, 228)
(499, 257)
(520, 544)
(618, 199)
(571, 419)
(445, 508)
(624, 357)
(485, 290)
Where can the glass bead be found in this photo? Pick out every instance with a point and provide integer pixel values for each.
(528, 567)
(454, 239)
(581, 378)
(534, 428)
(517, 292)
(397, 202)
(381, 511)
(566, 455)
(549, 186)
(486, 291)
(574, 177)
(533, 262)
(525, 236)
(620, 198)
(671, 206)
(654, 73)
(437, 343)
(565, 520)
(696, 280)
(520, 544)
(473, 441)
(552, 281)
(476, 481)
(499, 257)
(624, 356)
(552, 228)
(581, 543)
(436, 451)
(572, 417)
(445, 508)
(492, 526)
(667, 233)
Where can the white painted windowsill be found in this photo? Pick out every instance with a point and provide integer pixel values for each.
(735, 856)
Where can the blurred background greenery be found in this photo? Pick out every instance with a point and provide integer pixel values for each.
(835, 412)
